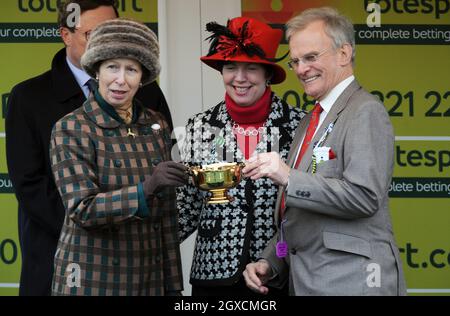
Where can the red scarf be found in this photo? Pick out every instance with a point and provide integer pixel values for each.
(250, 118)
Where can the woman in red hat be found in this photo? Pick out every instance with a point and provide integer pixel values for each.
(251, 119)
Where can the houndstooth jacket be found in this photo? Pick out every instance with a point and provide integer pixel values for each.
(232, 234)
(107, 247)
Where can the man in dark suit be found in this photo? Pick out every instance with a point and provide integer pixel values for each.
(33, 108)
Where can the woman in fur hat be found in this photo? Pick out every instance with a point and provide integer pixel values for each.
(112, 166)
(251, 119)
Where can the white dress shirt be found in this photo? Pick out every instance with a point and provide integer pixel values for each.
(80, 76)
(328, 102)
(326, 105)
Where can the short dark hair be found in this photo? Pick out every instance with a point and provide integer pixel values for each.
(85, 5)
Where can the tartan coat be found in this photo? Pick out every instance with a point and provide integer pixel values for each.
(105, 245)
(230, 235)
(33, 108)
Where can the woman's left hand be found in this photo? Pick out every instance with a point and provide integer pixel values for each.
(267, 165)
(165, 174)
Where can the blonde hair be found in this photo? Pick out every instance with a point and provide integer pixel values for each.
(337, 26)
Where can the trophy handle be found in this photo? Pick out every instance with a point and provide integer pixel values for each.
(191, 171)
(238, 170)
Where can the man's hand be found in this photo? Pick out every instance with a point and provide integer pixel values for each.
(256, 274)
(267, 165)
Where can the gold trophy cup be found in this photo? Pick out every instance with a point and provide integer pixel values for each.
(217, 178)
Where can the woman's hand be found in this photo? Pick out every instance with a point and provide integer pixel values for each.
(267, 165)
(165, 174)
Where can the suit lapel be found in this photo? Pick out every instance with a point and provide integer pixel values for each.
(220, 122)
(276, 127)
(66, 90)
(307, 158)
(338, 106)
(296, 142)
(299, 132)
(332, 116)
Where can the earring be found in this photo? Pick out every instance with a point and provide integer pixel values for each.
(140, 84)
(267, 82)
(96, 77)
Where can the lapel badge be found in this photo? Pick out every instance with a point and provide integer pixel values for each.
(219, 141)
(156, 127)
(130, 133)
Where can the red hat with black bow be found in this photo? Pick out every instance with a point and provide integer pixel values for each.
(244, 40)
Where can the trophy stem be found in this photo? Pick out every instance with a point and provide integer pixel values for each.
(219, 196)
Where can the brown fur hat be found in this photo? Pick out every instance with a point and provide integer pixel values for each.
(123, 38)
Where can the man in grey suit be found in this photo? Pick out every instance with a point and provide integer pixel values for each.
(335, 233)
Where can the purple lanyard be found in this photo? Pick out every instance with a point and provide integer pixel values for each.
(282, 247)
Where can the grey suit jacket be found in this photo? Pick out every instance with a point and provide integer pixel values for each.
(338, 226)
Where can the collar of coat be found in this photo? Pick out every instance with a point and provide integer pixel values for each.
(278, 116)
(104, 120)
(63, 81)
(219, 118)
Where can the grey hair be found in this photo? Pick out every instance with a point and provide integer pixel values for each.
(337, 26)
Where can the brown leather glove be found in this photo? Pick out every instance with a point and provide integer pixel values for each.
(165, 174)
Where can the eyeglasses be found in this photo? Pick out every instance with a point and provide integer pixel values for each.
(86, 34)
(307, 59)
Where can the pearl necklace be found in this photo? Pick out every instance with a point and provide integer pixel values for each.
(242, 131)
